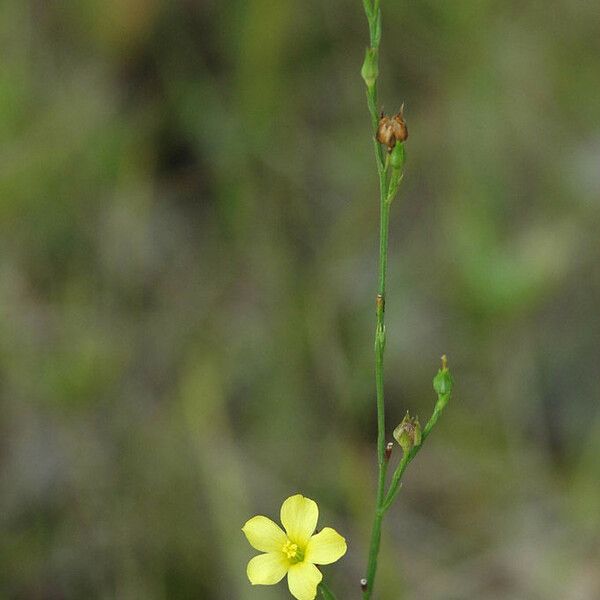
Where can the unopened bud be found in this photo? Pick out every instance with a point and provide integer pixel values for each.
(363, 584)
(388, 450)
(408, 433)
(370, 68)
(443, 382)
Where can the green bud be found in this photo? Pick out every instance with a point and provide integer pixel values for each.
(443, 382)
(397, 157)
(370, 68)
(408, 433)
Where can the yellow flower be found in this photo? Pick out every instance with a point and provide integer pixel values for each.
(295, 552)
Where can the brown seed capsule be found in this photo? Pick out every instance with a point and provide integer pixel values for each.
(392, 129)
(385, 132)
(400, 128)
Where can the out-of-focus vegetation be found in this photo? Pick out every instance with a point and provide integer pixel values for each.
(188, 243)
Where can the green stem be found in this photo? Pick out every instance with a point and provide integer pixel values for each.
(372, 103)
(387, 191)
(389, 181)
(326, 593)
(379, 354)
(374, 17)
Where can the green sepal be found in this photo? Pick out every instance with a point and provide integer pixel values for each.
(408, 433)
(398, 156)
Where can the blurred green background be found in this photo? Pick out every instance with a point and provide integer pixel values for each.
(188, 247)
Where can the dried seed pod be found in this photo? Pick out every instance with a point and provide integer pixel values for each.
(399, 126)
(385, 132)
(392, 129)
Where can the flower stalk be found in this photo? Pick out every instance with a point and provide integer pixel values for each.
(297, 551)
(325, 592)
(390, 132)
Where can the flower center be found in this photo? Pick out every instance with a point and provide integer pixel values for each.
(293, 553)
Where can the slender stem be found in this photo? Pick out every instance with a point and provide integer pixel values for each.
(372, 103)
(379, 354)
(372, 11)
(326, 593)
(396, 478)
(389, 181)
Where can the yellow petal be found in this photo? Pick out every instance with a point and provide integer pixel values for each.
(325, 547)
(299, 516)
(267, 569)
(264, 535)
(303, 579)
